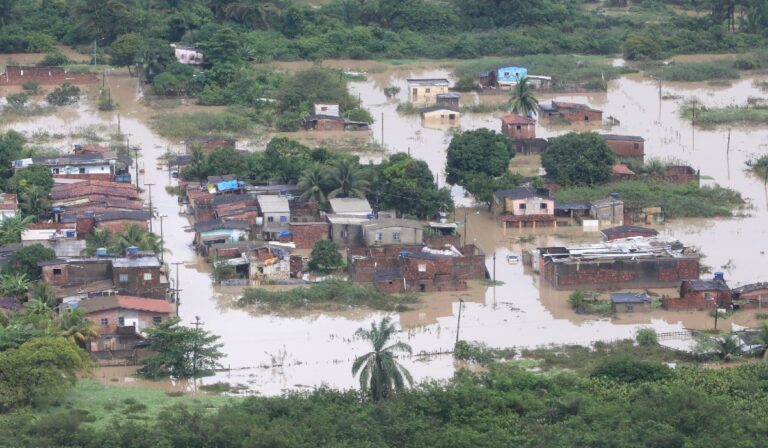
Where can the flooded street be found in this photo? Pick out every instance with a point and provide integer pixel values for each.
(270, 353)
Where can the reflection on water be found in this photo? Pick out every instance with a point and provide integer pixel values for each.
(271, 353)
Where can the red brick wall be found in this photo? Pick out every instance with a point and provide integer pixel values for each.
(575, 116)
(439, 241)
(136, 285)
(44, 75)
(511, 130)
(625, 148)
(92, 176)
(306, 235)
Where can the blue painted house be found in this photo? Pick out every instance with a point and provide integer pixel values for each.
(503, 75)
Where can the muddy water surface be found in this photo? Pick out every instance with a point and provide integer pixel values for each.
(270, 353)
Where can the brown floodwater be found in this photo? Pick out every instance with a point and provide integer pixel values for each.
(269, 353)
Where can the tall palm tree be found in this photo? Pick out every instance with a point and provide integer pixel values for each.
(134, 235)
(75, 327)
(312, 181)
(726, 346)
(523, 102)
(348, 179)
(380, 374)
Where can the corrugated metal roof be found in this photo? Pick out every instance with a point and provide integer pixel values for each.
(271, 203)
(138, 262)
(341, 206)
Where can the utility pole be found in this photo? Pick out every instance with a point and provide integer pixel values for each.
(197, 324)
(466, 228)
(494, 267)
(94, 51)
(693, 126)
(162, 239)
(177, 289)
(118, 123)
(458, 323)
(136, 157)
(382, 129)
(151, 211)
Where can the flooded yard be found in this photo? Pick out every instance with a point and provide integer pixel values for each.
(272, 353)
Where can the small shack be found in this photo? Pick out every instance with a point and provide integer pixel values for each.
(324, 123)
(630, 302)
(518, 127)
(448, 99)
(571, 112)
(440, 113)
(620, 232)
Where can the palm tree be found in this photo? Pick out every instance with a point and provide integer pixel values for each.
(523, 102)
(15, 285)
(726, 346)
(99, 238)
(380, 374)
(44, 293)
(347, 177)
(75, 327)
(34, 201)
(37, 307)
(12, 228)
(251, 12)
(312, 181)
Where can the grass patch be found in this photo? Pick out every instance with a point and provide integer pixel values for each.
(11, 114)
(567, 70)
(105, 403)
(696, 71)
(677, 201)
(200, 124)
(584, 359)
(480, 353)
(333, 294)
(727, 115)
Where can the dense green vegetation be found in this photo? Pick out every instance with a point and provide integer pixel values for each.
(325, 256)
(677, 201)
(608, 401)
(180, 352)
(696, 71)
(712, 116)
(331, 294)
(578, 159)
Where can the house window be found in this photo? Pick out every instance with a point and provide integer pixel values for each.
(521, 206)
(586, 117)
(104, 321)
(147, 276)
(123, 278)
(379, 236)
(630, 308)
(81, 170)
(283, 219)
(422, 267)
(543, 206)
(506, 74)
(157, 319)
(636, 146)
(56, 271)
(270, 219)
(55, 171)
(396, 236)
(452, 116)
(707, 296)
(519, 128)
(121, 321)
(344, 234)
(427, 90)
(324, 108)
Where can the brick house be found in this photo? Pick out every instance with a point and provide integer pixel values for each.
(119, 320)
(571, 112)
(306, 234)
(621, 172)
(524, 207)
(518, 127)
(139, 276)
(324, 123)
(750, 296)
(702, 294)
(347, 231)
(630, 302)
(626, 147)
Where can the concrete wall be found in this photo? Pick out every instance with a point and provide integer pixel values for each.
(77, 274)
(408, 236)
(347, 235)
(575, 115)
(119, 226)
(425, 94)
(532, 206)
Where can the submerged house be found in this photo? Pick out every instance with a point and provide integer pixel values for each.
(524, 207)
(626, 147)
(425, 90)
(621, 232)
(518, 127)
(220, 231)
(84, 166)
(392, 232)
(440, 113)
(503, 76)
(120, 320)
(448, 99)
(608, 212)
(630, 302)
(702, 294)
(571, 112)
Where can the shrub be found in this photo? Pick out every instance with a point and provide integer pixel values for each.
(696, 71)
(17, 100)
(325, 256)
(32, 87)
(64, 95)
(360, 114)
(628, 370)
(288, 122)
(53, 59)
(647, 337)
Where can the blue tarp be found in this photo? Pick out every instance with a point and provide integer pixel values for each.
(227, 185)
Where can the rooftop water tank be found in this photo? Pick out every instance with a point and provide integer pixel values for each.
(133, 250)
(615, 195)
(71, 233)
(101, 252)
(719, 276)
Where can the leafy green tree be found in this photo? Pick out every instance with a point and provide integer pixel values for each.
(639, 47)
(408, 186)
(17, 100)
(480, 151)
(55, 58)
(325, 256)
(38, 176)
(251, 13)
(647, 337)
(76, 328)
(25, 260)
(11, 148)
(226, 160)
(348, 179)
(126, 51)
(359, 114)
(726, 346)
(40, 368)
(43, 292)
(182, 352)
(523, 101)
(223, 46)
(578, 159)
(380, 373)
(759, 168)
(99, 238)
(317, 84)
(313, 182)
(482, 186)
